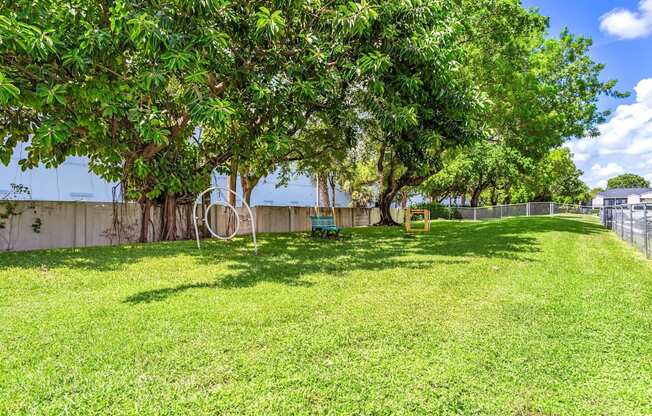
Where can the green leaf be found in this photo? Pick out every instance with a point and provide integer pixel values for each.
(270, 23)
(374, 63)
(8, 90)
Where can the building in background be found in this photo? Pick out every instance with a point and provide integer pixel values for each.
(300, 191)
(622, 196)
(73, 182)
(69, 182)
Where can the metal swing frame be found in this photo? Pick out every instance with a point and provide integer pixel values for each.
(224, 203)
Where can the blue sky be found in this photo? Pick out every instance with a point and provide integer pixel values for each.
(622, 36)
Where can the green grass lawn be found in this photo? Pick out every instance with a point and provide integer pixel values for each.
(524, 316)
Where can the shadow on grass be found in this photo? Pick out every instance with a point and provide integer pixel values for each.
(286, 258)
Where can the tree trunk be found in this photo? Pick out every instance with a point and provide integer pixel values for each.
(384, 203)
(145, 218)
(508, 195)
(169, 218)
(324, 200)
(494, 196)
(475, 197)
(232, 181)
(248, 183)
(477, 192)
(190, 227)
(333, 188)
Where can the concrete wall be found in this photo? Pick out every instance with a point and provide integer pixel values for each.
(87, 224)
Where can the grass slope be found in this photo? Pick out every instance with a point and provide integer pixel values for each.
(525, 316)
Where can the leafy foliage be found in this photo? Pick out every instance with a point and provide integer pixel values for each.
(628, 180)
(480, 167)
(160, 94)
(128, 83)
(555, 178)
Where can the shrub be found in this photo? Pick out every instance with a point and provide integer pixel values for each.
(438, 210)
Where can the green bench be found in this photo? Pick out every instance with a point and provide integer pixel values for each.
(324, 226)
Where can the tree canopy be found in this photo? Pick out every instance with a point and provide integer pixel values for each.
(628, 180)
(554, 178)
(386, 95)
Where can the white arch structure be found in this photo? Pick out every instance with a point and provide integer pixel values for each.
(198, 201)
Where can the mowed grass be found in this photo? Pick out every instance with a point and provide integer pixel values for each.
(524, 316)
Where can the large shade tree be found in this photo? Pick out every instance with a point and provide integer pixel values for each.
(442, 76)
(124, 83)
(127, 84)
(541, 92)
(410, 62)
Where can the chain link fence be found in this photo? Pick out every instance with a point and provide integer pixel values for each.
(519, 210)
(632, 223)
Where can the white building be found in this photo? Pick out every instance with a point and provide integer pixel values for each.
(622, 196)
(73, 182)
(300, 191)
(69, 182)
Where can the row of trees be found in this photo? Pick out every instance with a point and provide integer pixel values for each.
(396, 94)
(495, 174)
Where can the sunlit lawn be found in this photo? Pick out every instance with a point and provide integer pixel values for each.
(527, 316)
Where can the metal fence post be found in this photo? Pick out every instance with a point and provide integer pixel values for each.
(475, 213)
(645, 231)
(622, 223)
(501, 211)
(527, 209)
(631, 225)
(552, 209)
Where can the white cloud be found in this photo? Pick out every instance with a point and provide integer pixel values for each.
(627, 24)
(639, 146)
(581, 157)
(628, 131)
(644, 91)
(609, 170)
(625, 140)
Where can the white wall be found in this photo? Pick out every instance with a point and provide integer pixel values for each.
(300, 191)
(69, 182)
(598, 202)
(634, 199)
(73, 182)
(646, 197)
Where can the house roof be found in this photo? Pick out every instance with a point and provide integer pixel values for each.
(623, 192)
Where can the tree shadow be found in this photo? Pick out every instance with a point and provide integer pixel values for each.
(288, 258)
